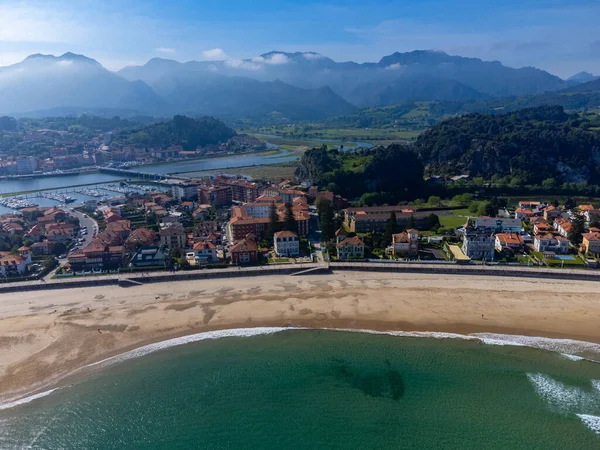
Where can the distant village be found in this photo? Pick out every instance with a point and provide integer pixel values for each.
(223, 221)
(68, 153)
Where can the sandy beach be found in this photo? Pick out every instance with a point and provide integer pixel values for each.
(46, 335)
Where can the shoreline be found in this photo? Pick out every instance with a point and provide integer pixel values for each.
(50, 337)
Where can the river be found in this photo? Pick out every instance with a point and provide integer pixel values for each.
(206, 164)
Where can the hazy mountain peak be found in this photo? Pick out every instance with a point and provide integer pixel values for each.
(582, 77)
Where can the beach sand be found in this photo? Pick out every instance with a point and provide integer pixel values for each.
(46, 335)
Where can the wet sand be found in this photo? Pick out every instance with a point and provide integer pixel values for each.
(46, 335)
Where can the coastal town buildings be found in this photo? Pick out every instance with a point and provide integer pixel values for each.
(406, 243)
(286, 243)
(350, 248)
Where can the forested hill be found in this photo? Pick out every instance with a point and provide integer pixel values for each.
(187, 132)
(524, 147)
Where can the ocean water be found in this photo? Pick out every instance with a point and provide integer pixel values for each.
(317, 389)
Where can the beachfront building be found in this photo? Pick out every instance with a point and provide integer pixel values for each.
(13, 265)
(374, 219)
(184, 191)
(205, 252)
(244, 251)
(172, 235)
(478, 245)
(150, 256)
(509, 242)
(591, 243)
(406, 243)
(286, 243)
(549, 243)
(351, 248)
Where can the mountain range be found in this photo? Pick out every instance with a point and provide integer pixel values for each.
(286, 86)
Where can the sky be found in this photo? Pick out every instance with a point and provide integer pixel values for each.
(562, 37)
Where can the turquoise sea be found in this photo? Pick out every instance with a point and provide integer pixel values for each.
(309, 389)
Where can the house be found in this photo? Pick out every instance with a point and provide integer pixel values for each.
(351, 248)
(340, 235)
(591, 243)
(509, 242)
(184, 190)
(286, 243)
(12, 265)
(563, 226)
(150, 256)
(98, 255)
(549, 243)
(111, 216)
(120, 227)
(542, 227)
(551, 213)
(406, 243)
(205, 252)
(172, 235)
(244, 251)
(585, 208)
(59, 232)
(592, 215)
(478, 245)
(202, 212)
(142, 237)
(497, 225)
(41, 248)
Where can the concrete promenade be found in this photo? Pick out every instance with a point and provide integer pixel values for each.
(131, 279)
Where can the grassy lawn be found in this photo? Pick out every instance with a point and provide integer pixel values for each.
(456, 219)
(558, 263)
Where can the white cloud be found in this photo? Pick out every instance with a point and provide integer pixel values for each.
(258, 59)
(241, 64)
(165, 50)
(215, 54)
(396, 66)
(312, 56)
(213, 68)
(277, 59)
(65, 62)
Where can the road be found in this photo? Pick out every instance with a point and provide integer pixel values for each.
(85, 221)
(314, 237)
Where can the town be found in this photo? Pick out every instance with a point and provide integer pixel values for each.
(222, 221)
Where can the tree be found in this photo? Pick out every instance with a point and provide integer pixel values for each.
(433, 221)
(273, 226)
(391, 228)
(326, 218)
(289, 223)
(49, 263)
(570, 203)
(577, 230)
(434, 201)
(555, 203)
(412, 223)
(59, 249)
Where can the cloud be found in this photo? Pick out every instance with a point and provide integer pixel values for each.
(312, 56)
(274, 59)
(165, 50)
(277, 59)
(241, 64)
(65, 62)
(396, 66)
(213, 68)
(215, 54)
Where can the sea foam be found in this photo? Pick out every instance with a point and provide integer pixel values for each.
(25, 400)
(592, 422)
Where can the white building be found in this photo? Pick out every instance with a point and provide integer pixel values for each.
(185, 191)
(495, 225)
(550, 243)
(286, 243)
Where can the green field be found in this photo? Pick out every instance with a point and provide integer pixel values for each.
(456, 219)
